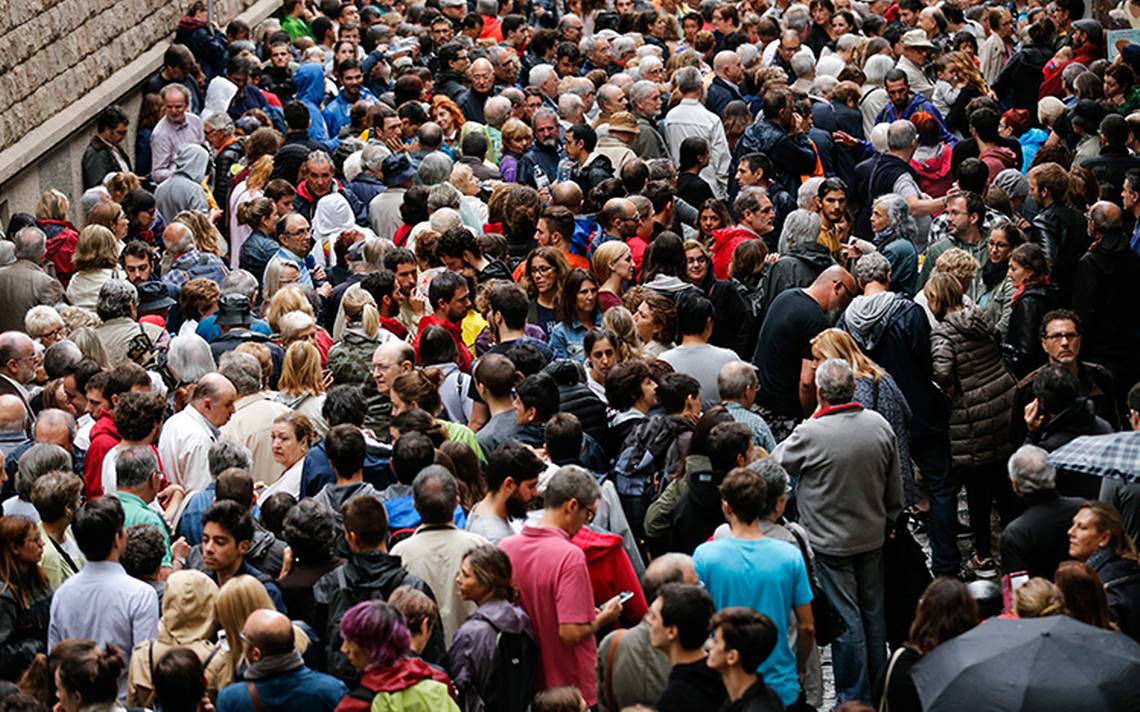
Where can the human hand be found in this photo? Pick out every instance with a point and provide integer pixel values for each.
(610, 611)
(286, 562)
(325, 290)
(318, 274)
(418, 303)
(169, 494)
(1034, 419)
(845, 138)
(180, 549)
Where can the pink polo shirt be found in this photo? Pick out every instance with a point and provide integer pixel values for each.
(554, 587)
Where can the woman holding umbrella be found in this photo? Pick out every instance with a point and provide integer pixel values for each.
(1097, 538)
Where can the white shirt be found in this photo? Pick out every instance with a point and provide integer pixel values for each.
(185, 447)
(289, 481)
(83, 434)
(691, 118)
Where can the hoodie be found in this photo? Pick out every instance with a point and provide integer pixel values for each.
(183, 189)
(206, 44)
(997, 159)
(407, 684)
(334, 496)
(310, 81)
(869, 317)
(188, 621)
(934, 168)
(611, 572)
(724, 244)
(670, 286)
(471, 657)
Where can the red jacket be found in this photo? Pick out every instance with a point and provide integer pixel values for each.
(456, 332)
(60, 248)
(399, 676)
(725, 241)
(104, 438)
(611, 572)
(1051, 85)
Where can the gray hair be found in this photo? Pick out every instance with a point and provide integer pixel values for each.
(220, 121)
(226, 455)
(775, 480)
(434, 494)
(571, 482)
(801, 227)
(319, 157)
(487, 7)
(496, 110)
(544, 113)
(901, 135)
(40, 319)
(667, 568)
(803, 65)
(872, 267)
(540, 74)
(569, 104)
(175, 87)
(435, 168)
(134, 466)
(846, 42)
(609, 93)
(876, 67)
(117, 298)
(825, 84)
(184, 241)
(444, 219)
(1030, 471)
(443, 195)
(189, 358)
(1070, 73)
(589, 43)
(54, 417)
(642, 90)
(239, 281)
(797, 17)
(37, 461)
(878, 137)
(30, 244)
(243, 370)
(689, 80)
(898, 212)
(734, 378)
(835, 381)
(808, 192)
(621, 46)
(747, 199)
(60, 358)
(372, 157)
(649, 64)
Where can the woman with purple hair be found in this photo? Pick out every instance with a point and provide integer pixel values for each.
(378, 644)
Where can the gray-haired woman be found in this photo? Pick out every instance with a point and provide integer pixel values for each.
(895, 234)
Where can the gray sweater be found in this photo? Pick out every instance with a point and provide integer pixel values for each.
(847, 464)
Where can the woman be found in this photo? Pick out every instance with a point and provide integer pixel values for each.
(198, 299)
(945, 611)
(1085, 598)
(546, 270)
(378, 644)
(471, 208)
(235, 600)
(420, 612)
(517, 137)
(601, 356)
(577, 314)
(732, 322)
(933, 158)
(1121, 92)
(142, 217)
(631, 392)
(693, 158)
(112, 217)
(619, 321)
(468, 473)
(188, 359)
(656, 319)
(96, 261)
(420, 390)
(259, 216)
(25, 599)
(485, 580)
(292, 436)
(296, 297)
(1033, 296)
(895, 234)
(968, 367)
(302, 385)
(1015, 124)
(56, 499)
(310, 531)
(873, 93)
(44, 325)
(437, 349)
(188, 621)
(206, 235)
(998, 290)
(613, 264)
(250, 183)
(842, 23)
(350, 358)
(712, 217)
(1021, 78)
(448, 115)
(970, 86)
(1038, 598)
(1097, 538)
(746, 270)
(876, 390)
(664, 266)
(51, 217)
(88, 678)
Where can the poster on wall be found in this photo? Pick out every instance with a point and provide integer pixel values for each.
(1119, 39)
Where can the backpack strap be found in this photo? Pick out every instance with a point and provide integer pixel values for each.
(1122, 581)
(254, 697)
(362, 693)
(611, 701)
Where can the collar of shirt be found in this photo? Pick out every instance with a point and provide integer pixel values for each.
(541, 530)
(196, 414)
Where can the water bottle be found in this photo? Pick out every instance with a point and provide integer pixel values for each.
(540, 179)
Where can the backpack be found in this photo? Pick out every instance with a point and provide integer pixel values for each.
(514, 669)
(342, 599)
(640, 464)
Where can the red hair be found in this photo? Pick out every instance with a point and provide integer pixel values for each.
(1017, 120)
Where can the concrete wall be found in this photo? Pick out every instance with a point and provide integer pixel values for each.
(64, 61)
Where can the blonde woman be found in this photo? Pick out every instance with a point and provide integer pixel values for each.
(350, 358)
(876, 390)
(295, 297)
(112, 217)
(471, 208)
(51, 217)
(302, 385)
(235, 600)
(1037, 598)
(206, 236)
(278, 275)
(260, 148)
(959, 264)
(613, 264)
(517, 137)
(620, 321)
(96, 261)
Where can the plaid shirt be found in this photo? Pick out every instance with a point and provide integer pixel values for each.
(1116, 455)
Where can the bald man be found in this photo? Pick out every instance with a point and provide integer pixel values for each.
(17, 368)
(276, 676)
(54, 427)
(481, 77)
(13, 424)
(187, 436)
(725, 86)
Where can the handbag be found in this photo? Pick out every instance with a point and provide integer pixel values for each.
(905, 578)
(829, 624)
(883, 704)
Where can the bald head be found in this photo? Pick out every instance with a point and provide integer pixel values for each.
(833, 290)
(270, 632)
(17, 356)
(727, 66)
(214, 398)
(1105, 218)
(670, 568)
(178, 238)
(55, 426)
(13, 415)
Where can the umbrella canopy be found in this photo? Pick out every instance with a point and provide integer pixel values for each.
(1039, 664)
(1116, 455)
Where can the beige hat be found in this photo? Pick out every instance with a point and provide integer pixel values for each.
(916, 38)
(623, 121)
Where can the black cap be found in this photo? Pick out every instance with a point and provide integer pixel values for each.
(397, 169)
(234, 310)
(153, 296)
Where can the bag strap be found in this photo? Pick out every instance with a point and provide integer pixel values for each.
(803, 550)
(64, 555)
(1122, 581)
(883, 705)
(254, 697)
(611, 702)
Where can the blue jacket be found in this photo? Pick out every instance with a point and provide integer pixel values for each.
(300, 689)
(310, 81)
(791, 156)
(720, 94)
(917, 103)
(541, 157)
(337, 112)
(316, 472)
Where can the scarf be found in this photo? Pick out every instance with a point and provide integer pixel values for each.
(993, 272)
(881, 238)
(274, 665)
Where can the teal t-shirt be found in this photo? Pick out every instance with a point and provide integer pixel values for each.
(136, 511)
(768, 576)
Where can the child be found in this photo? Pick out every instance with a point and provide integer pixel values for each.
(944, 94)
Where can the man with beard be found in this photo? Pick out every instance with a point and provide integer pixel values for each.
(538, 167)
(449, 296)
(512, 481)
(481, 74)
(619, 221)
(351, 79)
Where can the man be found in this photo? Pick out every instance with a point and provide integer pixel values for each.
(177, 128)
(611, 100)
(436, 548)
(494, 381)
(370, 181)
(598, 55)
(695, 355)
(276, 676)
(236, 323)
(782, 136)
(18, 368)
(588, 167)
(344, 447)
(227, 533)
(102, 602)
(24, 283)
(226, 150)
(783, 348)
(645, 103)
(1115, 160)
(725, 86)
(103, 392)
(556, 229)
(453, 65)
(1034, 543)
(138, 483)
(554, 583)
(738, 386)
(843, 437)
(320, 181)
(1057, 416)
(678, 625)
(448, 295)
(384, 210)
(255, 410)
(1059, 228)
(741, 639)
(186, 438)
(14, 426)
(481, 75)
(690, 118)
(1106, 279)
(294, 238)
(178, 64)
(188, 262)
(998, 47)
(224, 456)
(389, 361)
(616, 144)
(538, 167)
(891, 172)
(459, 251)
(369, 573)
(915, 46)
(831, 204)
(619, 220)
(544, 78)
(905, 102)
(759, 572)
(474, 149)
(103, 154)
(966, 212)
(755, 221)
(350, 78)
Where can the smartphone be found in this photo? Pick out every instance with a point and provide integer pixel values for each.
(624, 597)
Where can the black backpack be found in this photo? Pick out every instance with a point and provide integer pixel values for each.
(342, 599)
(511, 686)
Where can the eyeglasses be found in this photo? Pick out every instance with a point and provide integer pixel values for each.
(542, 270)
(590, 511)
(1066, 335)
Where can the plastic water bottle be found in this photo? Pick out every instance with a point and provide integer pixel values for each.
(540, 179)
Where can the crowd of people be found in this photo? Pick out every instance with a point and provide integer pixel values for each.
(566, 354)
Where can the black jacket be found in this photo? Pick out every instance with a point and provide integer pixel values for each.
(1038, 540)
(224, 162)
(1121, 579)
(1109, 168)
(99, 160)
(1021, 78)
(278, 81)
(758, 698)
(1106, 292)
(698, 513)
(450, 84)
(1078, 419)
(575, 397)
(471, 104)
(1062, 231)
(720, 93)
(797, 269)
(23, 629)
(794, 155)
(598, 169)
(691, 686)
(733, 326)
(1022, 344)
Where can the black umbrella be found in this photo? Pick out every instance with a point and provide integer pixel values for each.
(1038, 664)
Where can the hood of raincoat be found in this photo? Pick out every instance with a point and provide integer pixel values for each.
(332, 217)
(310, 82)
(218, 97)
(192, 161)
(187, 608)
